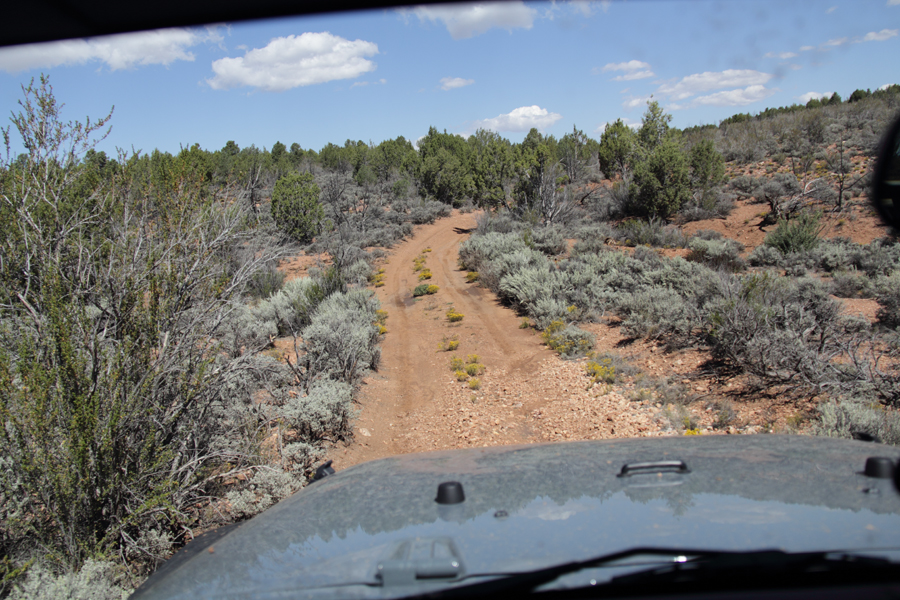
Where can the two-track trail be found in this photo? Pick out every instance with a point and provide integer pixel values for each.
(405, 405)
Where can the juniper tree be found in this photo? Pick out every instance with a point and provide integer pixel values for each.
(295, 206)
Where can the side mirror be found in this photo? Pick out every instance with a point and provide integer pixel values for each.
(886, 186)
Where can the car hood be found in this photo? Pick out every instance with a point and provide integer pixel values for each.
(530, 507)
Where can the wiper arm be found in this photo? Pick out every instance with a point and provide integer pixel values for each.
(528, 581)
(762, 568)
(689, 565)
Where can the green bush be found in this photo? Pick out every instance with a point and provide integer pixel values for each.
(265, 283)
(775, 327)
(454, 316)
(473, 369)
(661, 182)
(292, 307)
(267, 486)
(424, 289)
(325, 411)
(798, 234)
(601, 371)
(118, 396)
(651, 232)
(479, 249)
(717, 254)
(567, 340)
(295, 206)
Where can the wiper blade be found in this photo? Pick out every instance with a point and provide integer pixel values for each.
(688, 565)
(756, 569)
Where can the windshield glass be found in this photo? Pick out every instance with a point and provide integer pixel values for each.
(234, 252)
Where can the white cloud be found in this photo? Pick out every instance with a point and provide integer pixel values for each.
(521, 119)
(635, 101)
(804, 98)
(807, 48)
(831, 10)
(634, 69)
(781, 55)
(879, 36)
(631, 65)
(450, 83)
(295, 61)
(586, 7)
(122, 51)
(739, 97)
(365, 83)
(708, 81)
(468, 20)
(837, 42)
(634, 75)
(582, 6)
(893, 3)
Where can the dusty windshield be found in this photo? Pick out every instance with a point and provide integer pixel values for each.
(346, 237)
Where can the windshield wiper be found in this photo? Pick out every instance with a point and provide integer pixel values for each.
(714, 570)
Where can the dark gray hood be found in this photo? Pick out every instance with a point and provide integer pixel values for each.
(529, 507)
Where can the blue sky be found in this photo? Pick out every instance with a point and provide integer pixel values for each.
(507, 67)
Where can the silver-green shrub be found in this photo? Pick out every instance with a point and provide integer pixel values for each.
(341, 342)
(850, 417)
(888, 297)
(765, 256)
(324, 412)
(267, 486)
(568, 340)
(549, 240)
(292, 307)
(95, 580)
(248, 328)
(849, 284)
(480, 249)
(717, 254)
(660, 313)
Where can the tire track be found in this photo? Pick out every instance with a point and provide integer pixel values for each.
(413, 375)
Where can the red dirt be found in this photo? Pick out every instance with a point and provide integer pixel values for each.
(745, 224)
(298, 266)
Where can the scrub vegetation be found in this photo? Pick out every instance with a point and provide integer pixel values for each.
(143, 397)
(770, 312)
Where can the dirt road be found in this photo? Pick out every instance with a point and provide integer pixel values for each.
(527, 394)
(414, 378)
